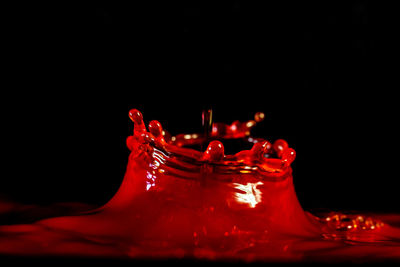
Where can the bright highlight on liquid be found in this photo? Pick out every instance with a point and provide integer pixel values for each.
(249, 193)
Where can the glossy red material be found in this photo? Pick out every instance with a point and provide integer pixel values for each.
(178, 202)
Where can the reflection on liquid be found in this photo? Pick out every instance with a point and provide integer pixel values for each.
(248, 193)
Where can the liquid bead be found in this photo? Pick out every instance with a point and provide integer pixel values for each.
(178, 202)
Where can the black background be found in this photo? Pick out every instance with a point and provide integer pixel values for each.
(325, 74)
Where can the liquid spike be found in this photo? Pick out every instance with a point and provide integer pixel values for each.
(214, 151)
(259, 149)
(155, 128)
(137, 118)
(288, 156)
(207, 123)
(280, 146)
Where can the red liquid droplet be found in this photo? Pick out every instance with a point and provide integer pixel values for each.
(178, 202)
(214, 152)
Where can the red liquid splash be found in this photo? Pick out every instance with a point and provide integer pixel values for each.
(178, 202)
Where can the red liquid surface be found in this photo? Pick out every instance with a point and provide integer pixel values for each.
(177, 202)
